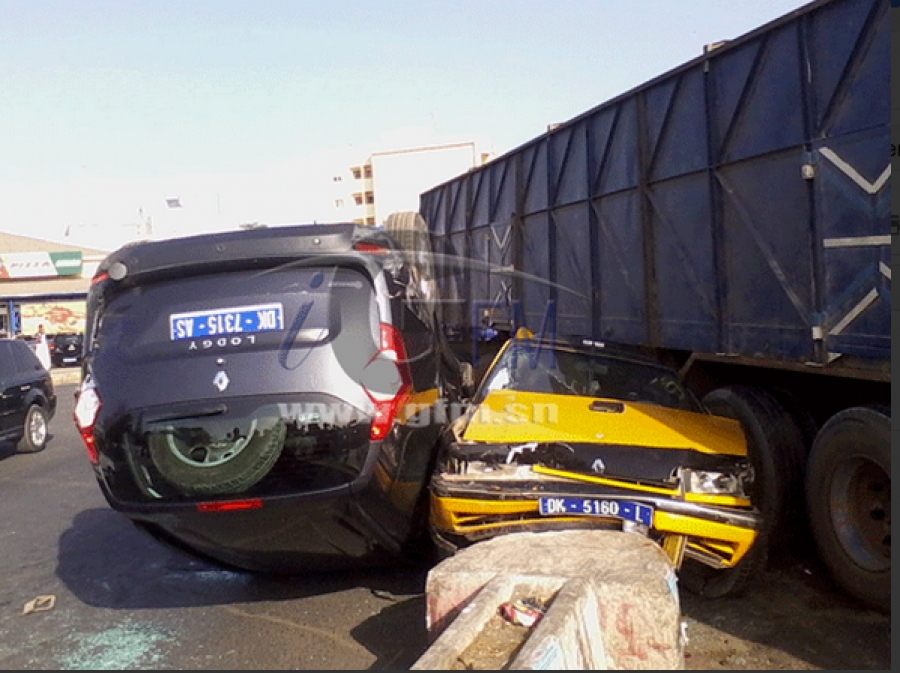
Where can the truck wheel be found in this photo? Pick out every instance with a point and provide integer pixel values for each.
(773, 445)
(848, 495)
(35, 430)
(805, 423)
(205, 468)
(410, 231)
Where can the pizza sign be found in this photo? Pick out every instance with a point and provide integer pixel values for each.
(40, 264)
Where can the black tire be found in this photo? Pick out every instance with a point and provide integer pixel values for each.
(801, 540)
(709, 582)
(848, 494)
(229, 475)
(805, 422)
(35, 430)
(774, 444)
(410, 231)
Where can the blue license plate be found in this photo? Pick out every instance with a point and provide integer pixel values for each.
(603, 507)
(226, 321)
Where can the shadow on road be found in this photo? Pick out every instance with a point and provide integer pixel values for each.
(380, 634)
(108, 562)
(8, 449)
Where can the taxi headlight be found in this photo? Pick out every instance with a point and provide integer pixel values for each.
(732, 482)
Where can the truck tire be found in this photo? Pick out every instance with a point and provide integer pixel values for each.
(773, 444)
(195, 470)
(805, 423)
(410, 231)
(848, 495)
(34, 430)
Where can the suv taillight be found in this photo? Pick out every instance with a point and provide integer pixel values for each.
(387, 381)
(367, 246)
(86, 411)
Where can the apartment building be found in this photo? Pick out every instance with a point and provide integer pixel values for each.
(391, 181)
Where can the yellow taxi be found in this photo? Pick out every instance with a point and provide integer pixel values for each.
(585, 434)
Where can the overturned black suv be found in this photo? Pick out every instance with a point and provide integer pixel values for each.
(270, 398)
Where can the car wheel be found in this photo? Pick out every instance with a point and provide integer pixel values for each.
(848, 492)
(35, 430)
(217, 468)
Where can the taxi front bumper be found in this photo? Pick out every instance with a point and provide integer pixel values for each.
(465, 510)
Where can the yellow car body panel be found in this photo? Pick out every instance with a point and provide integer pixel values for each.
(417, 402)
(740, 539)
(471, 516)
(515, 416)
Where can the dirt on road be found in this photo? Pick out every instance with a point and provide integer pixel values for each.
(792, 617)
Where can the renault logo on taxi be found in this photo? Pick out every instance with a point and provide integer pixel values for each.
(221, 381)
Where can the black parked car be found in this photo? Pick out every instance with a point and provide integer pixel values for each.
(270, 398)
(27, 397)
(65, 349)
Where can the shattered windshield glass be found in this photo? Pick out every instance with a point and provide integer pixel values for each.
(541, 368)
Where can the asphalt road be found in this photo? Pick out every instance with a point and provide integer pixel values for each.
(123, 600)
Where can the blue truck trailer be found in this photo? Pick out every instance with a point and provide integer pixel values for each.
(733, 215)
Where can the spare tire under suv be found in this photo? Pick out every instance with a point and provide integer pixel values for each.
(270, 398)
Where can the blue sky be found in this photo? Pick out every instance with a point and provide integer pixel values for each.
(105, 106)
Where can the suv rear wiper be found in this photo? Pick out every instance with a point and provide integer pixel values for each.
(217, 410)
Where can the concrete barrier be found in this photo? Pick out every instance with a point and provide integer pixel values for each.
(615, 604)
(450, 649)
(569, 636)
(65, 375)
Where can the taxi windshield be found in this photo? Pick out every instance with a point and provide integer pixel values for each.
(542, 368)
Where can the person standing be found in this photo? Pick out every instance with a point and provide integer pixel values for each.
(42, 348)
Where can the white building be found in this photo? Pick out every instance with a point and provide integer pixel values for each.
(393, 181)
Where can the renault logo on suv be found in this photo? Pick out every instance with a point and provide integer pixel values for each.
(221, 381)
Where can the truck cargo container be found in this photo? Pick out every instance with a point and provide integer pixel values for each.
(732, 215)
